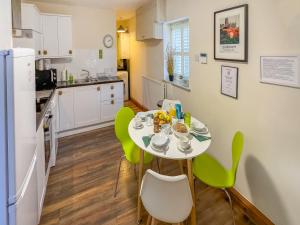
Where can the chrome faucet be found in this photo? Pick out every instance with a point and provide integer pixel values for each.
(86, 72)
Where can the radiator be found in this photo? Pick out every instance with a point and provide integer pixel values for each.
(153, 91)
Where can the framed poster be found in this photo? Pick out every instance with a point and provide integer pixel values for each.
(280, 70)
(229, 81)
(231, 34)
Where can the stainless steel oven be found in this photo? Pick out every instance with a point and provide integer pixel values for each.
(47, 139)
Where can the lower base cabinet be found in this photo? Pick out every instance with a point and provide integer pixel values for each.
(110, 108)
(84, 106)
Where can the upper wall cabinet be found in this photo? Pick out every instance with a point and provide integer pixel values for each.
(65, 35)
(31, 18)
(149, 20)
(57, 32)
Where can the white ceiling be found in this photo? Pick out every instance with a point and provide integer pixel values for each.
(124, 8)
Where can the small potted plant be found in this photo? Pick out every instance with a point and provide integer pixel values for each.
(170, 63)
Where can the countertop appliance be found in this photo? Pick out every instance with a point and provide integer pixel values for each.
(124, 76)
(45, 79)
(18, 157)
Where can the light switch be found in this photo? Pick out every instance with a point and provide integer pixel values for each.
(203, 58)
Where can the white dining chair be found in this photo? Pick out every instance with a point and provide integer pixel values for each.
(167, 199)
(167, 104)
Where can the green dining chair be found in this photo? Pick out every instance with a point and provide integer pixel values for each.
(130, 150)
(207, 169)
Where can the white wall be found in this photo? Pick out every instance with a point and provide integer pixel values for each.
(145, 59)
(5, 25)
(90, 25)
(268, 115)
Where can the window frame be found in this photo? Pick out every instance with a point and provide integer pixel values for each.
(185, 81)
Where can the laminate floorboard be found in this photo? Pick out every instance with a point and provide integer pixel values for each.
(81, 186)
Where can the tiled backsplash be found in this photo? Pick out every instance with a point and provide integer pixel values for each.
(87, 59)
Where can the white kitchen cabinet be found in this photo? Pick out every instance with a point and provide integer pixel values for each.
(66, 108)
(57, 35)
(41, 178)
(112, 91)
(50, 35)
(31, 18)
(65, 35)
(87, 105)
(112, 98)
(110, 108)
(54, 136)
(149, 20)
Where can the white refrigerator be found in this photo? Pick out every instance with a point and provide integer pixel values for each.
(18, 175)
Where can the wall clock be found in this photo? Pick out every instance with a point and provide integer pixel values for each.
(108, 41)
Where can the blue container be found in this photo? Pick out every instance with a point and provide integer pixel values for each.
(178, 111)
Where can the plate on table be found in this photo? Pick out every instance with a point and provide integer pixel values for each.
(202, 131)
(159, 140)
(159, 149)
(138, 127)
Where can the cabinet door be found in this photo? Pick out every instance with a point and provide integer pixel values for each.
(87, 105)
(109, 109)
(50, 33)
(37, 37)
(65, 35)
(66, 108)
(112, 91)
(41, 181)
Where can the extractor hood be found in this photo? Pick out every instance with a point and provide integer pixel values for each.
(16, 14)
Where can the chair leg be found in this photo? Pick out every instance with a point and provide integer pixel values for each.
(135, 174)
(158, 167)
(181, 166)
(149, 220)
(118, 175)
(154, 221)
(160, 164)
(230, 202)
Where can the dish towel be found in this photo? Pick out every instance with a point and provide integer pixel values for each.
(146, 140)
(201, 138)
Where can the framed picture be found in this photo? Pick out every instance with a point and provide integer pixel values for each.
(229, 81)
(231, 34)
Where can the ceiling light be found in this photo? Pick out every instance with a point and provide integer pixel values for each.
(121, 29)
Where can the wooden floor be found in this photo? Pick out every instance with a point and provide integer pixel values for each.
(81, 186)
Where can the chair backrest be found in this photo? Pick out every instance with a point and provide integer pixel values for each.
(122, 120)
(166, 198)
(167, 104)
(237, 149)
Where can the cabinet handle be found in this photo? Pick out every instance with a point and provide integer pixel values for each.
(98, 88)
(39, 52)
(70, 52)
(112, 102)
(60, 93)
(112, 95)
(112, 87)
(45, 52)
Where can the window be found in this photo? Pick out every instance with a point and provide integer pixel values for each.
(180, 44)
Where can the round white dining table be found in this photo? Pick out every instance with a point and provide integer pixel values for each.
(172, 152)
